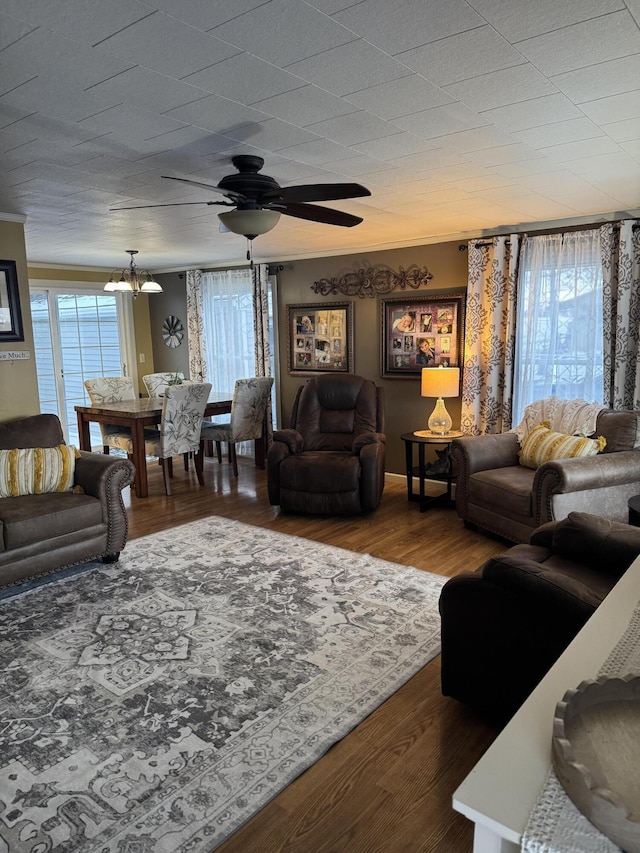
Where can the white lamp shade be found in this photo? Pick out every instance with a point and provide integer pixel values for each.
(440, 382)
(249, 223)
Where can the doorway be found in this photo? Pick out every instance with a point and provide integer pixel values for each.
(78, 335)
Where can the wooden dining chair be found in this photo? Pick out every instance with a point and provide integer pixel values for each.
(250, 400)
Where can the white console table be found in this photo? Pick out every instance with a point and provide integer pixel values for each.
(501, 790)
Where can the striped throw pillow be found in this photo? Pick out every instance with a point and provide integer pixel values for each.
(36, 470)
(543, 444)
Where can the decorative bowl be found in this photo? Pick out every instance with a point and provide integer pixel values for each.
(596, 755)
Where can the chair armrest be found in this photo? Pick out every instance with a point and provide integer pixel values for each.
(103, 476)
(291, 438)
(483, 452)
(586, 475)
(365, 438)
(372, 465)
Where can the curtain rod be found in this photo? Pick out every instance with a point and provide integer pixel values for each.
(553, 231)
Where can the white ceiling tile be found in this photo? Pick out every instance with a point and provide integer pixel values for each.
(557, 133)
(549, 108)
(599, 81)
(305, 105)
(394, 146)
(606, 165)
(400, 97)
(163, 44)
(203, 13)
(148, 90)
(462, 56)
(283, 32)
(520, 19)
(440, 121)
(330, 6)
(51, 98)
(129, 125)
(522, 168)
(272, 134)
(583, 148)
(404, 24)
(621, 187)
(614, 108)
(358, 166)
(245, 78)
(12, 30)
(317, 153)
(563, 186)
(504, 154)
(485, 182)
(609, 37)
(476, 140)
(88, 23)
(499, 88)
(349, 68)
(353, 128)
(633, 149)
(623, 131)
(217, 114)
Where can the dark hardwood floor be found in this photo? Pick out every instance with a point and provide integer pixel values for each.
(387, 786)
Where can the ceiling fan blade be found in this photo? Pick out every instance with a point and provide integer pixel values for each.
(319, 214)
(318, 192)
(173, 204)
(229, 193)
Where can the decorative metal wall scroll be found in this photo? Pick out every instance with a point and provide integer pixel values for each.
(373, 281)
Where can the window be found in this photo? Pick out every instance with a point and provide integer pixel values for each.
(559, 327)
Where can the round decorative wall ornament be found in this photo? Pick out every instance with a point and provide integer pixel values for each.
(172, 332)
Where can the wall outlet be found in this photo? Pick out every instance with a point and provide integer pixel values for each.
(142, 358)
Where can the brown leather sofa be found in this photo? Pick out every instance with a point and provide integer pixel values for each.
(505, 625)
(42, 533)
(331, 460)
(495, 492)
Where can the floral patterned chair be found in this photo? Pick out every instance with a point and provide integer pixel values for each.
(182, 412)
(112, 389)
(250, 400)
(156, 383)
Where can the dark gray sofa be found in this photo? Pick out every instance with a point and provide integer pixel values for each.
(42, 533)
(495, 492)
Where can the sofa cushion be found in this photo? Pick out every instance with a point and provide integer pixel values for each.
(321, 472)
(506, 490)
(608, 546)
(544, 444)
(37, 470)
(35, 518)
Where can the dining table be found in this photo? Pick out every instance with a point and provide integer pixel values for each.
(140, 413)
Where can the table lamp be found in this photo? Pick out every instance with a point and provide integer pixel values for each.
(440, 382)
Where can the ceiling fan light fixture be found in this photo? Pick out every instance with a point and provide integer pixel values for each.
(132, 280)
(249, 223)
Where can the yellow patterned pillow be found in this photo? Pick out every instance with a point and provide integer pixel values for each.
(543, 444)
(36, 470)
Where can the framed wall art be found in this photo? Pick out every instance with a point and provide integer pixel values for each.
(320, 338)
(420, 331)
(10, 313)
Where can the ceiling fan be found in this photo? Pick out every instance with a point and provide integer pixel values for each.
(259, 200)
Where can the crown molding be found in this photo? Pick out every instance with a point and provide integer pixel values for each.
(13, 217)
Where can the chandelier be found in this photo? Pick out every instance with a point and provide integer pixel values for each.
(132, 280)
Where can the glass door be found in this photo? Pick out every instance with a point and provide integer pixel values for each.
(76, 337)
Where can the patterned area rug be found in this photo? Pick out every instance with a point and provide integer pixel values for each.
(154, 705)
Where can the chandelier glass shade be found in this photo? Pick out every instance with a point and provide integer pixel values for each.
(132, 280)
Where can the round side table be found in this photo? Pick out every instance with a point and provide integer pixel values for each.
(421, 439)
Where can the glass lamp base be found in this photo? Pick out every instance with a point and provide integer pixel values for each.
(440, 420)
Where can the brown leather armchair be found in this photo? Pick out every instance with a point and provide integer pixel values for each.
(331, 460)
(495, 492)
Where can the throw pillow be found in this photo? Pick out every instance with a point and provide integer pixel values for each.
(36, 470)
(543, 444)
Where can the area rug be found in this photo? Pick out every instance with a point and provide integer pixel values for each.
(154, 705)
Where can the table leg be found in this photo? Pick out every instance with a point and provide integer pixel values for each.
(139, 459)
(408, 455)
(259, 452)
(83, 433)
(421, 475)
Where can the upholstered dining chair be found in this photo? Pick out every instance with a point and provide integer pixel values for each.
(248, 405)
(156, 383)
(112, 389)
(182, 412)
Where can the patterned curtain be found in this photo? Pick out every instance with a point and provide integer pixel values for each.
(487, 382)
(195, 335)
(262, 344)
(621, 310)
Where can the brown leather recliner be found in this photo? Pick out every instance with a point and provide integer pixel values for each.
(331, 460)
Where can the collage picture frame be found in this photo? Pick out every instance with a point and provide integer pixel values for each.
(320, 338)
